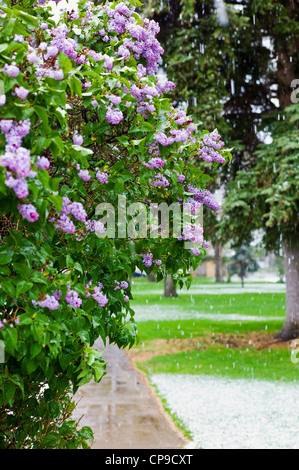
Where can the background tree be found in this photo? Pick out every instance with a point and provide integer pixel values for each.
(267, 196)
(241, 263)
(248, 68)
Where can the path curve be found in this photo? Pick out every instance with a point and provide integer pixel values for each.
(123, 410)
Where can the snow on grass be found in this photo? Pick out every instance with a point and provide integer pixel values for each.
(224, 413)
(159, 313)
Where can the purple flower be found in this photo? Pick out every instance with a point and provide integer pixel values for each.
(84, 174)
(123, 52)
(114, 99)
(155, 162)
(78, 211)
(124, 285)
(195, 251)
(6, 125)
(21, 92)
(19, 186)
(147, 260)
(2, 100)
(101, 298)
(162, 138)
(58, 74)
(114, 116)
(72, 298)
(160, 180)
(28, 211)
(32, 57)
(203, 196)
(11, 70)
(19, 38)
(57, 294)
(109, 61)
(18, 161)
(43, 46)
(52, 51)
(94, 103)
(66, 224)
(43, 163)
(102, 176)
(50, 302)
(77, 139)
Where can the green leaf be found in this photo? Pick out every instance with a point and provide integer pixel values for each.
(42, 113)
(86, 433)
(75, 86)
(51, 440)
(98, 370)
(29, 19)
(57, 201)
(5, 259)
(85, 379)
(64, 62)
(39, 278)
(17, 380)
(8, 287)
(10, 338)
(22, 286)
(84, 151)
(3, 47)
(35, 349)
(9, 392)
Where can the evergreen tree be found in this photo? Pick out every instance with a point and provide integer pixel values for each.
(239, 79)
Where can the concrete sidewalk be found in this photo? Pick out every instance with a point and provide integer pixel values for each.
(123, 410)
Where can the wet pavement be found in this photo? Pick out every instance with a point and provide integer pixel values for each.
(123, 410)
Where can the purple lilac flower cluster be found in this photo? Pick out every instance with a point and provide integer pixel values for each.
(102, 176)
(148, 260)
(139, 38)
(155, 162)
(160, 181)
(77, 139)
(49, 302)
(210, 144)
(28, 211)
(97, 293)
(122, 285)
(64, 222)
(72, 298)
(203, 196)
(192, 233)
(17, 161)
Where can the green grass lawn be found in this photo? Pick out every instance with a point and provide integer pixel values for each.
(273, 365)
(265, 304)
(213, 359)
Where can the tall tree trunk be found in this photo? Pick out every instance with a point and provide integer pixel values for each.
(290, 328)
(169, 288)
(218, 262)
